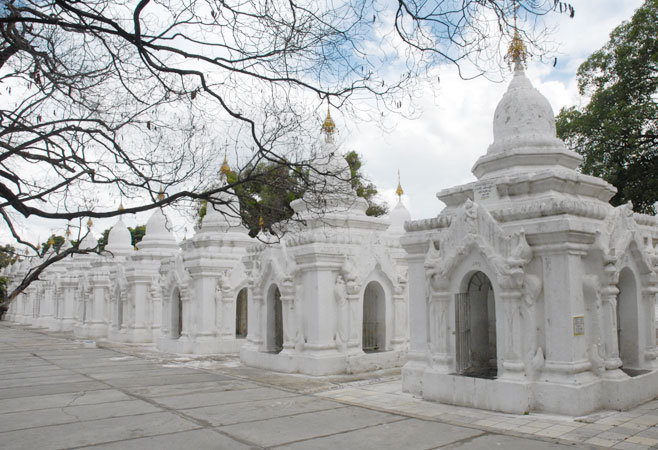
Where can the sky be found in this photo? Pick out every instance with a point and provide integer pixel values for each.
(437, 149)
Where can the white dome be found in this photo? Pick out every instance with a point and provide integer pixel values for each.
(221, 217)
(89, 241)
(118, 240)
(524, 135)
(398, 216)
(159, 236)
(523, 118)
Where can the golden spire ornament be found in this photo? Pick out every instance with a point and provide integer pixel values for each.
(329, 127)
(68, 231)
(161, 195)
(225, 169)
(261, 222)
(399, 192)
(516, 53)
(90, 223)
(121, 208)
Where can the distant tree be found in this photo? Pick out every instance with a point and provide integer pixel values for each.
(266, 202)
(55, 241)
(364, 188)
(7, 255)
(137, 234)
(617, 131)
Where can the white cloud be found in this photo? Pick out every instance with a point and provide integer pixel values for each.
(438, 149)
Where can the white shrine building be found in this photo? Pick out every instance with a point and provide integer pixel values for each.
(529, 291)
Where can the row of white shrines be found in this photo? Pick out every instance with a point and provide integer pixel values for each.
(528, 292)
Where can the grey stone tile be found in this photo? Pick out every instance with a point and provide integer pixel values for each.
(61, 400)
(223, 414)
(69, 414)
(94, 432)
(40, 373)
(491, 441)
(630, 446)
(285, 430)
(31, 381)
(163, 380)
(195, 439)
(129, 372)
(222, 397)
(176, 389)
(30, 391)
(410, 434)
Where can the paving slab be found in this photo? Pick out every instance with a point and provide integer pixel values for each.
(61, 400)
(492, 441)
(38, 381)
(283, 430)
(94, 432)
(195, 439)
(130, 396)
(164, 379)
(58, 388)
(71, 414)
(409, 434)
(222, 397)
(223, 414)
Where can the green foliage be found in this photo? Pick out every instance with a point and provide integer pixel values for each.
(617, 132)
(58, 241)
(136, 234)
(3, 289)
(7, 255)
(363, 187)
(274, 186)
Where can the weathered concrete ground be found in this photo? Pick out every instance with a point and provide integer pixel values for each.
(55, 392)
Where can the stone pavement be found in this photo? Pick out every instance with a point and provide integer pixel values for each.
(56, 392)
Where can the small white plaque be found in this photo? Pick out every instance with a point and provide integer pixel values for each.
(578, 325)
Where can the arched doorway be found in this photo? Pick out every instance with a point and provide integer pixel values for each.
(241, 314)
(274, 320)
(374, 318)
(627, 320)
(475, 319)
(176, 314)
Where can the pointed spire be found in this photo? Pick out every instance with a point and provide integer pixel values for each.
(225, 169)
(68, 231)
(121, 208)
(161, 194)
(328, 127)
(517, 52)
(90, 223)
(399, 192)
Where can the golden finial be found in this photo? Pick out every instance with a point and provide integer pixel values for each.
(225, 169)
(261, 222)
(517, 52)
(121, 208)
(68, 231)
(399, 192)
(90, 223)
(161, 194)
(328, 127)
